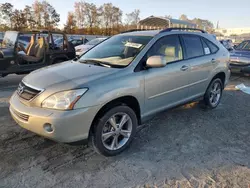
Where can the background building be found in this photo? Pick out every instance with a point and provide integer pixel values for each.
(233, 31)
(154, 22)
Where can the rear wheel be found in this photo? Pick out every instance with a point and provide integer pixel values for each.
(213, 94)
(114, 131)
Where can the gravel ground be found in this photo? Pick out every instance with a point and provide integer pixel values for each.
(185, 147)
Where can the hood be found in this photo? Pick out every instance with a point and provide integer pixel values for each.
(240, 53)
(68, 75)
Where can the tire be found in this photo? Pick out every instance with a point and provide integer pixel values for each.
(103, 126)
(212, 96)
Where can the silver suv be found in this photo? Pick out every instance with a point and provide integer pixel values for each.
(119, 84)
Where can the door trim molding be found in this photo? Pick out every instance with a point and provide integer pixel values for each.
(176, 89)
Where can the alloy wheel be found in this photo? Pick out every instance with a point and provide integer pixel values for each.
(117, 131)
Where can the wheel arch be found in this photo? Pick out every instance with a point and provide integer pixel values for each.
(221, 76)
(128, 100)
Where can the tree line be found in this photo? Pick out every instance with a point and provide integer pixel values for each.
(40, 14)
(86, 18)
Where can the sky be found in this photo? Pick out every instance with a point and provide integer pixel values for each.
(229, 13)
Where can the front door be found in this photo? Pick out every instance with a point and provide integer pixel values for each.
(166, 86)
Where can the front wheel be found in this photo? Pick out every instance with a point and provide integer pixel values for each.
(213, 94)
(114, 131)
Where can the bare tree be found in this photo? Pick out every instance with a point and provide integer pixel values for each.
(183, 17)
(133, 18)
(29, 17)
(91, 15)
(79, 7)
(38, 9)
(6, 12)
(116, 19)
(168, 16)
(111, 17)
(71, 23)
(18, 20)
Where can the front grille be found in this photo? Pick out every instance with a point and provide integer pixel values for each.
(26, 92)
(20, 115)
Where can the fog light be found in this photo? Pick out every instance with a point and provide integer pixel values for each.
(48, 128)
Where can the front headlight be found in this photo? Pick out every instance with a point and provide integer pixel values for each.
(64, 100)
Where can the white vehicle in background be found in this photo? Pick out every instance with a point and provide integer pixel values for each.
(85, 47)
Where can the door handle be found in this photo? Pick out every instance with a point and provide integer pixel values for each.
(213, 61)
(184, 67)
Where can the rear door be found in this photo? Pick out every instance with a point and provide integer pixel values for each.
(201, 60)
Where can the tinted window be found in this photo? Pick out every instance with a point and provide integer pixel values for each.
(212, 46)
(168, 46)
(193, 46)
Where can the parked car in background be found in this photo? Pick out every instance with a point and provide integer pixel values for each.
(85, 47)
(74, 41)
(228, 44)
(120, 83)
(23, 52)
(240, 57)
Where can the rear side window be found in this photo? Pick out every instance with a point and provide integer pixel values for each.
(213, 48)
(193, 46)
(205, 47)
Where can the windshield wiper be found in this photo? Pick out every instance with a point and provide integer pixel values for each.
(95, 62)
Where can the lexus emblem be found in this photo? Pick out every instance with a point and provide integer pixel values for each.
(20, 89)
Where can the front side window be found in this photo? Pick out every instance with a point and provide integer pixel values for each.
(168, 46)
(193, 46)
(117, 51)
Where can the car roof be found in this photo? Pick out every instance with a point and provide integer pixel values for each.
(142, 33)
(174, 31)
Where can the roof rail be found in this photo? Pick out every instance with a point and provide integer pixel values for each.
(132, 30)
(179, 28)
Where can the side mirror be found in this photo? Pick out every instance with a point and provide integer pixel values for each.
(156, 61)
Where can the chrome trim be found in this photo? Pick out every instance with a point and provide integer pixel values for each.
(32, 87)
(19, 115)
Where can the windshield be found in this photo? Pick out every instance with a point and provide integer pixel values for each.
(9, 39)
(95, 41)
(245, 45)
(118, 50)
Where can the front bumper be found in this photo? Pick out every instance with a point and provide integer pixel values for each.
(68, 126)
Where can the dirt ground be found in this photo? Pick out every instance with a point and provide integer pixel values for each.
(185, 147)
